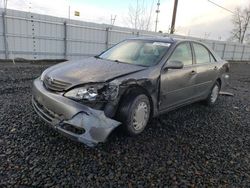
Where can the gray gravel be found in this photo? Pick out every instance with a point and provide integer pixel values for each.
(193, 146)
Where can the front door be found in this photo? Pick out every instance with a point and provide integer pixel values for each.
(177, 85)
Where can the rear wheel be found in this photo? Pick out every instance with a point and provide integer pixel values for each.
(134, 113)
(214, 94)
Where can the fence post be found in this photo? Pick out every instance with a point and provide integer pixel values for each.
(223, 52)
(5, 35)
(65, 40)
(107, 37)
(243, 51)
(234, 52)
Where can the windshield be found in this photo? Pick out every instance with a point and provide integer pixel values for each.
(137, 52)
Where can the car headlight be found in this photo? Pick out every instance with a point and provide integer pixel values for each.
(85, 93)
(94, 92)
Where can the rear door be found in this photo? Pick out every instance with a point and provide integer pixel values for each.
(207, 69)
(177, 85)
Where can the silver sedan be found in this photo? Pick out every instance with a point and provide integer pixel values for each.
(125, 86)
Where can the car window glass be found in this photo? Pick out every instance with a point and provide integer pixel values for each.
(201, 53)
(182, 53)
(137, 52)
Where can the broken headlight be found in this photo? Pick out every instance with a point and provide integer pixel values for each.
(94, 92)
(85, 93)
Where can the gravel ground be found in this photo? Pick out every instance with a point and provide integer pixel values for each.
(193, 146)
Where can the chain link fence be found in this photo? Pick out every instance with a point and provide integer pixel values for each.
(34, 36)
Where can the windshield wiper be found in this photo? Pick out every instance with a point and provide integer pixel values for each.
(97, 57)
(118, 61)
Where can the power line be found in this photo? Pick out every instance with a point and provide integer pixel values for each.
(221, 6)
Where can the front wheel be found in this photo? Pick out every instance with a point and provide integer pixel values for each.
(214, 94)
(134, 113)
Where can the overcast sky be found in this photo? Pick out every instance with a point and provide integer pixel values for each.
(198, 18)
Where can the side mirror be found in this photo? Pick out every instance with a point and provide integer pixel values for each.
(174, 65)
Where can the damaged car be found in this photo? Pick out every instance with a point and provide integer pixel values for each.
(126, 85)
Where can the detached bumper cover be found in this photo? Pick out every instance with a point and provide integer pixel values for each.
(89, 126)
(225, 80)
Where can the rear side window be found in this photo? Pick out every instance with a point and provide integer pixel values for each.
(182, 53)
(201, 53)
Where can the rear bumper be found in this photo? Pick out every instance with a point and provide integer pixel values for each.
(71, 119)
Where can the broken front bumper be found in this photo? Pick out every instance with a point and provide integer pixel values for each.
(72, 119)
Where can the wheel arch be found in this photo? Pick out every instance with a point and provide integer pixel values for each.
(219, 81)
(136, 90)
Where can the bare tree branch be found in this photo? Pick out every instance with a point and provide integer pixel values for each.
(139, 17)
(241, 20)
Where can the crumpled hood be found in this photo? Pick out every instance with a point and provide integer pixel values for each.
(90, 70)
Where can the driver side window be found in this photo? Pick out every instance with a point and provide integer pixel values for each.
(182, 53)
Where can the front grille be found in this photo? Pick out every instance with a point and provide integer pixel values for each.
(55, 85)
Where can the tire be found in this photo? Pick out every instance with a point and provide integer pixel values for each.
(134, 113)
(213, 95)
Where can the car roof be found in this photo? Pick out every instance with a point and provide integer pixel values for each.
(158, 39)
(163, 39)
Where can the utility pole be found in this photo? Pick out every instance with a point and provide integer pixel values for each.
(113, 19)
(157, 12)
(172, 30)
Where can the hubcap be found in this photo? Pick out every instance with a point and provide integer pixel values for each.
(215, 93)
(140, 117)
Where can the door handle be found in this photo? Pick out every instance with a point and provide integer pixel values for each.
(193, 72)
(215, 68)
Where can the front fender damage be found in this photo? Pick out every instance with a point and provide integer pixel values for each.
(99, 123)
(70, 118)
(95, 125)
